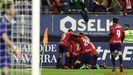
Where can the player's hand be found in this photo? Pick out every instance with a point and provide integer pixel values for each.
(107, 9)
(19, 53)
(65, 3)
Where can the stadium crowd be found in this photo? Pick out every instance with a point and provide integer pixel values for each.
(72, 6)
(23, 6)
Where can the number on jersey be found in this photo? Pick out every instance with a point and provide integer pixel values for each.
(86, 41)
(118, 33)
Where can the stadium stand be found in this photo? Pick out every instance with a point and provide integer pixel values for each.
(93, 6)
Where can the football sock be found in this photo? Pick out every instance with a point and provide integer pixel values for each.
(94, 60)
(67, 61)
(113, 60)
(120, 58)
(58, 61)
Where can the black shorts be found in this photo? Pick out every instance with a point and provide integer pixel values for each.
(63, 49)
(73, 59)
(114, 47)
(85, 58)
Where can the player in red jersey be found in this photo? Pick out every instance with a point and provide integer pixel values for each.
(75, 50)
(116, 37)
(89, 54)
(63, 47)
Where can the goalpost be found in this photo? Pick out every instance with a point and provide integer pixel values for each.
(25, 34)
(36, 37)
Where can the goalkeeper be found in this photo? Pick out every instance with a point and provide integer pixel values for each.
(6, 46)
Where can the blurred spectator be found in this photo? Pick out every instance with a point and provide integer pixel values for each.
(109, 2)
(76, 6)
(4, 1)
(114, 6)
(45, 6)
(123, 6)
(66, 5)
(129, 6)
(89, 4)
(104, 3)
(56, 6)
(100, 6)
(132, 6)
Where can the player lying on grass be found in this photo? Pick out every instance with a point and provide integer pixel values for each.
(88, 53)
(5, 35)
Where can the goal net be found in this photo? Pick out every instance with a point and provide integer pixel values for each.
(19, 31)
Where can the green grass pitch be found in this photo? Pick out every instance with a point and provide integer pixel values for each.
(50, 71)
(19, 72)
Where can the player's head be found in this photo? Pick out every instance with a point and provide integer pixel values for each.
(115, 20)
(70, 30)
(9, 9)
(126, 27)
(81, 33)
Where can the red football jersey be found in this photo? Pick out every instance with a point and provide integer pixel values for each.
(76, 48)
(70, 48)
(86, 45)
(65, 37)
(116, 34)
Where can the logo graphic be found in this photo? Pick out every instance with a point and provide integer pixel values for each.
(64, 21)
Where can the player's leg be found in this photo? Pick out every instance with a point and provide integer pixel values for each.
(87, 60)
(5, 66)
(78, 63)
(58, 65)
(5, 70)
(5, 61)
(120, 57)
(84, 61)
(73, 59)
(112, 50)
(94, 61)
(67, 60)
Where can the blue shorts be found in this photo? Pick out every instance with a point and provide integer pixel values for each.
(5, 59)
(85, 58)
(114, 47)
(63, 49)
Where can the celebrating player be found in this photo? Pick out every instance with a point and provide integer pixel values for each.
(63, 48)
(5, 34)
(75, 50)
(89, 54)
(116, 37)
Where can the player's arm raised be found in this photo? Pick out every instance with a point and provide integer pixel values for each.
(11, 45)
